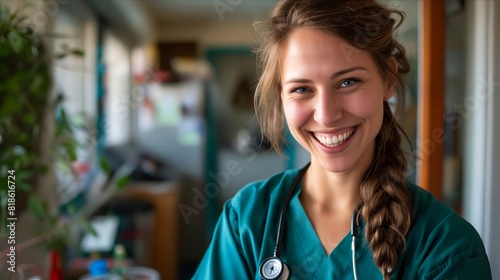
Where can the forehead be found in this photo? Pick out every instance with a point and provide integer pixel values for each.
(309, 46)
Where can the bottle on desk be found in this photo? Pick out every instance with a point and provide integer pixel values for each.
(98, 270)
(119, 257)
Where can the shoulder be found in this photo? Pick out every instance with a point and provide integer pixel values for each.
(430, 214)
(439, 239)
(258, 202)
(264, 192)
(250, 215)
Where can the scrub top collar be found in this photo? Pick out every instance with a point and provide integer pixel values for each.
(315, 259)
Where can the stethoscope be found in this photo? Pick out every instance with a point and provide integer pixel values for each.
(273, 268)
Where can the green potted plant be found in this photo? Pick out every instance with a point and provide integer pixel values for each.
(26, 103)
(26, 100)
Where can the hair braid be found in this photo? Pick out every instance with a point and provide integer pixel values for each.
(387, 202)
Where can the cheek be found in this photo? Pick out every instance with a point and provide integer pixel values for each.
(364, 109)
(373, 114)
(295, 113)
(367, 106)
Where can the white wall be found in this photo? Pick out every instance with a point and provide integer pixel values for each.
(118, 83)
(481, 134)
(76, 27)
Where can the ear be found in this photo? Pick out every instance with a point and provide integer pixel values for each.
(391, 83)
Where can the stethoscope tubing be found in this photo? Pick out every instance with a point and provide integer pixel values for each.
(284, 209)
(282, 224)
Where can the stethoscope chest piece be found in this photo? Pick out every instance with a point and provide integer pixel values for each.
(273, 269)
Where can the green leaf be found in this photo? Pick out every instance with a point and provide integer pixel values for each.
(78, 53)
(57, 242)
(37, 207)
(29, 119)
(105, 165)
(88, 228)
(61, 55)
(42, 169)
(24, 175)
(71, 209)
(34, 51)
(16, 41)
(122, 182)
(72, 154)
(22, 138)
(23, 186)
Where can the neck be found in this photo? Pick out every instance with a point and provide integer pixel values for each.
(330, 191)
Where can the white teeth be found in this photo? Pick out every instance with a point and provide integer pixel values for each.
(334, 140)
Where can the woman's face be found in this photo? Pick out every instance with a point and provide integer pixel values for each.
(332, 94)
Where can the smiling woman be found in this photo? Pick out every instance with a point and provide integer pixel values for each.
(329, 69)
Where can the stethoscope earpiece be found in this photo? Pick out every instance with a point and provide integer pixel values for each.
(273, 269)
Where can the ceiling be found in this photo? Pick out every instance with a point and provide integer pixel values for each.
(176, 11)
(144, 18)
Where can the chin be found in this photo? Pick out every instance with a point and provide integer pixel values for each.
(336, 165)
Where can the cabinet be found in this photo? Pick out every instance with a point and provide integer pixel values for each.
(164, 243)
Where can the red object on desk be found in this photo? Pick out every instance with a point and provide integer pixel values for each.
(55, 266)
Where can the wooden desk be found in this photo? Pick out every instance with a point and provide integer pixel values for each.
(164, 244)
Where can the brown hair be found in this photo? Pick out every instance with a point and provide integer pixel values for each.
(368, 26)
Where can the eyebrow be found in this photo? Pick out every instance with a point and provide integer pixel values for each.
(333, 76)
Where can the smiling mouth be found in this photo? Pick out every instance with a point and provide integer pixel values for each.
(332, 140)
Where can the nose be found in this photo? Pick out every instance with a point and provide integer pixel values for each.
(327, 108)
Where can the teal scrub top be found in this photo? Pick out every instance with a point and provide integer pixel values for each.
(439, 245)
